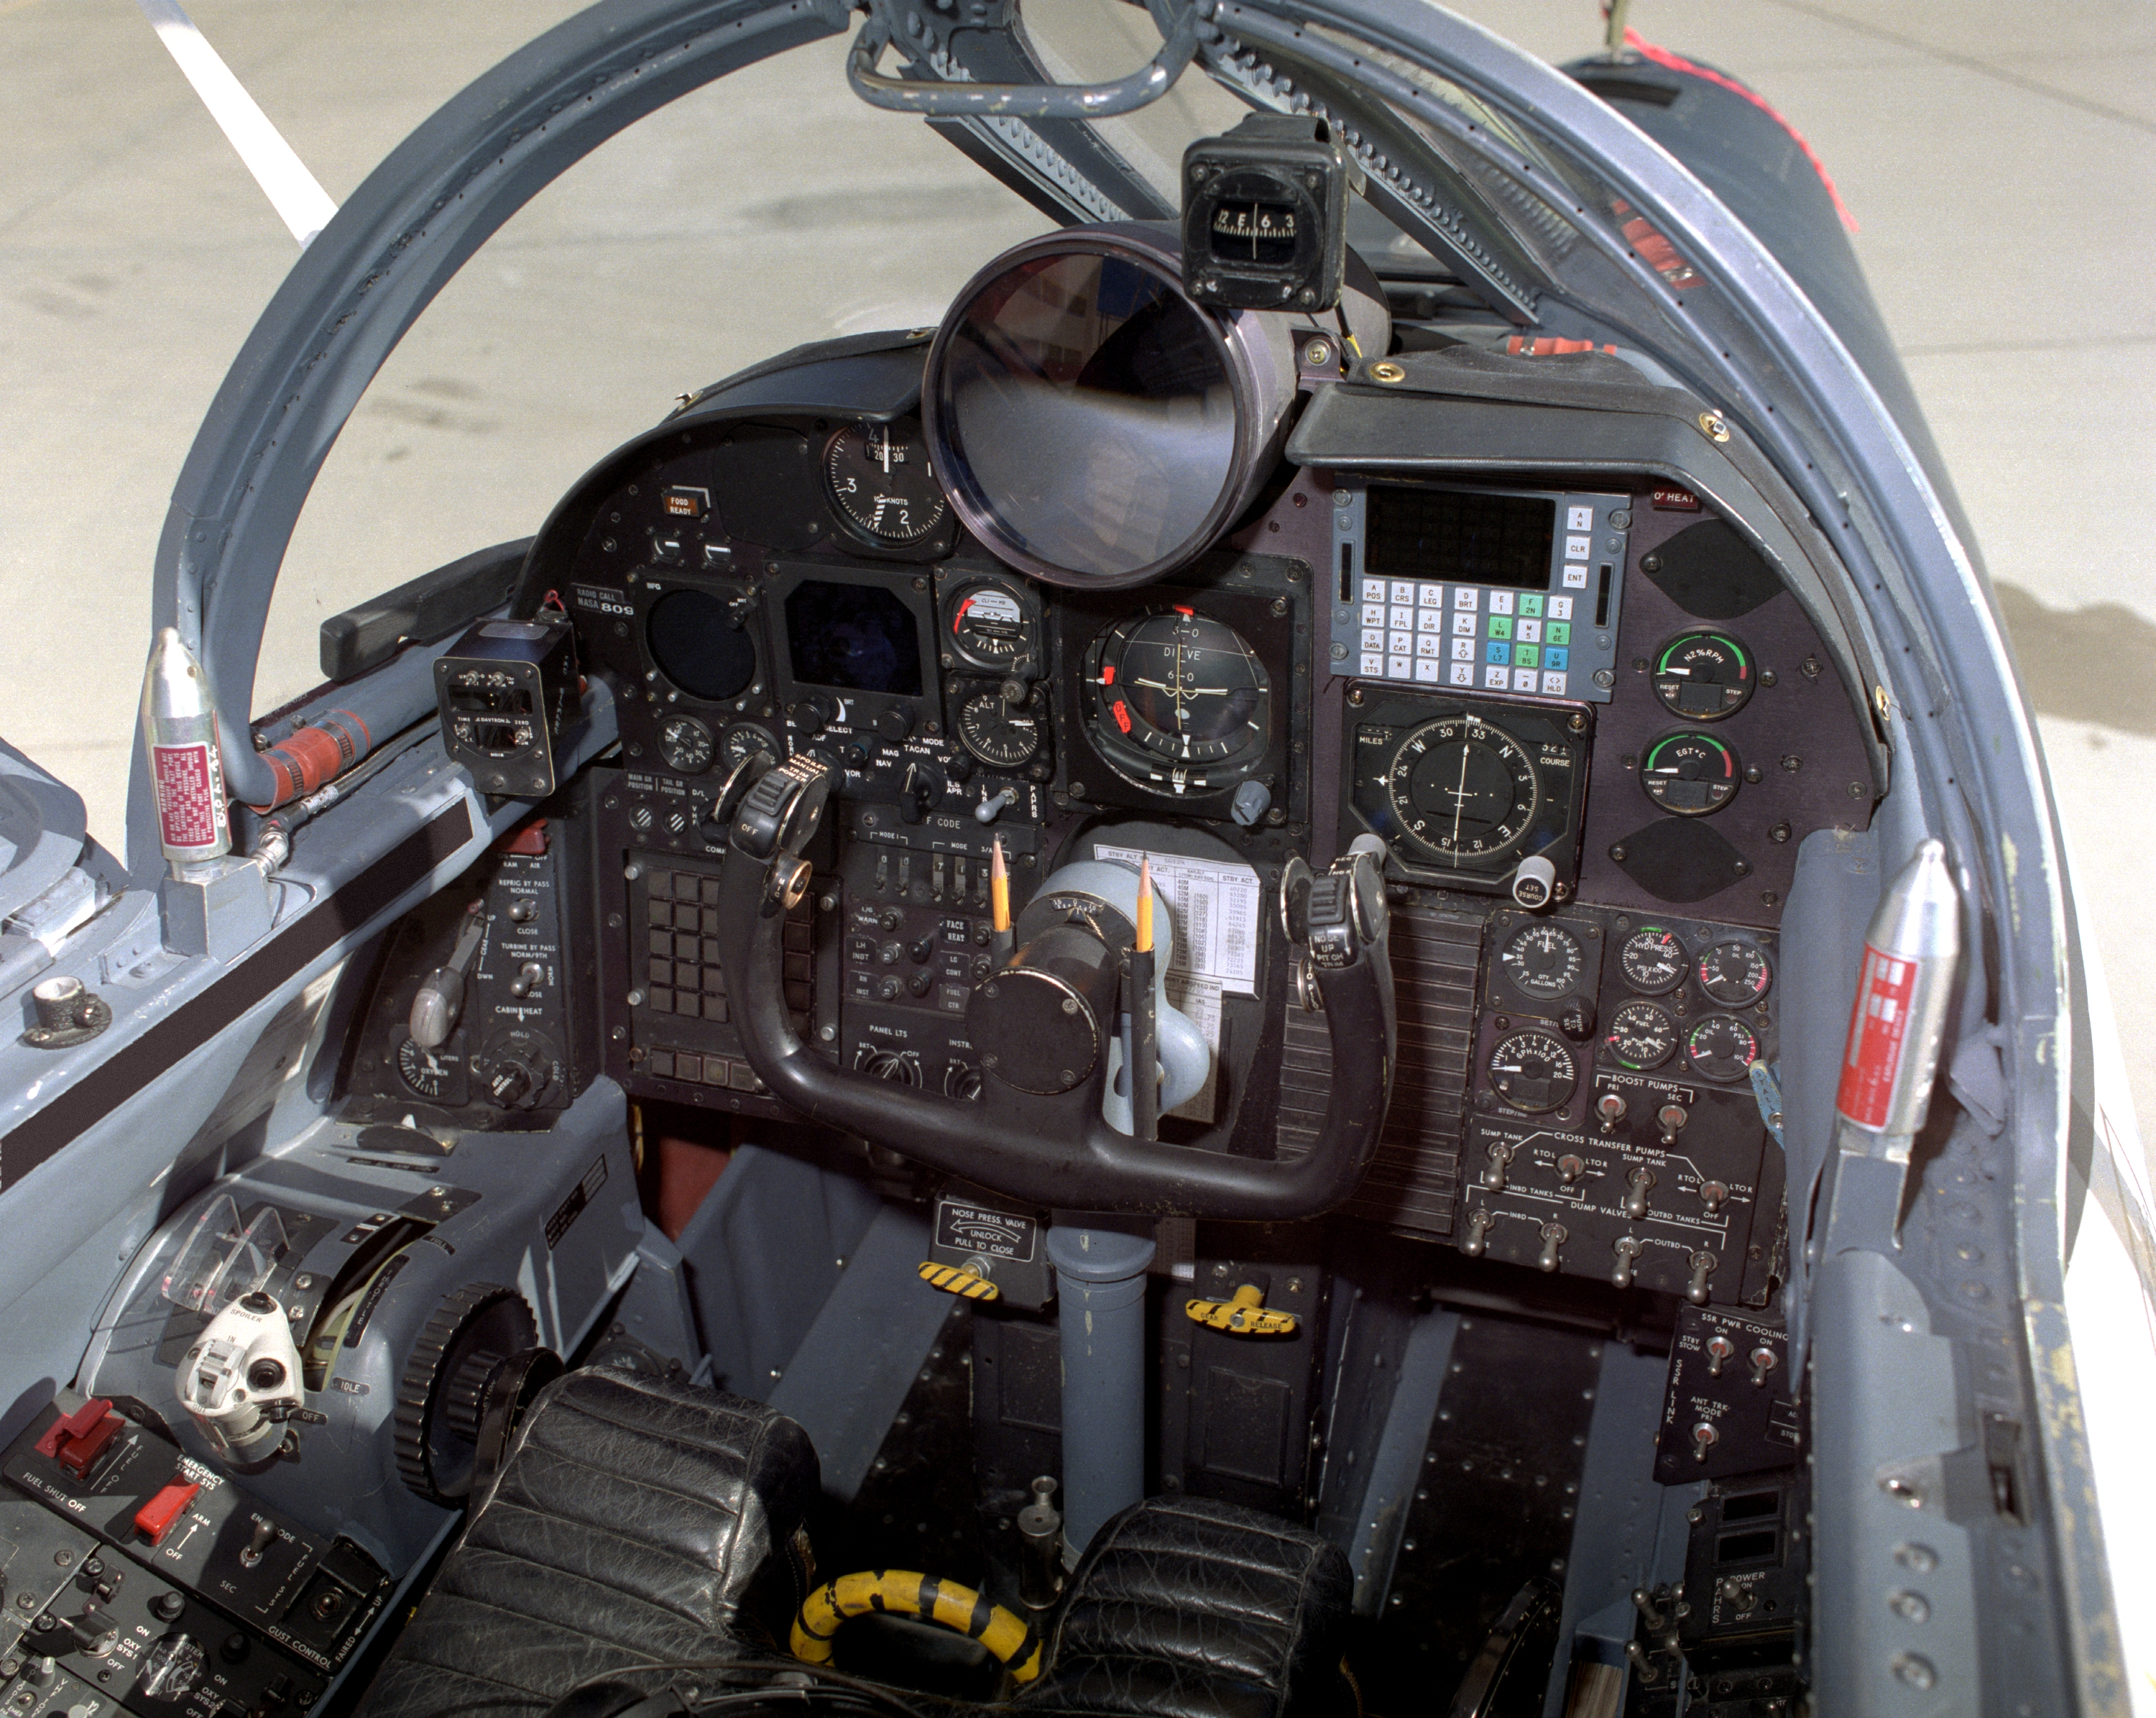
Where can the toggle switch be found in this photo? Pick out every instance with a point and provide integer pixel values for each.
(1763, 1362)
(1478, 1234)
(1637, 1186)
(1553, 1237)
(1719, 1351)
(1704, 1437)
(1628, 1252)
(1610, 1109)
(1493, 1177)
(1672, 1118)
(1571, 1168)
(1712, 1195)
(1702, 1267)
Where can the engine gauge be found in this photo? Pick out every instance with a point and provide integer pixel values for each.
(1543, 960)
(1722, 1047)
(1690, 775)
(1641, 1035)
(1735, 973)
(1533, 1071)
(1464, 790)
(1177, 701)
(1002, 736)
(1703, 675)
(686, 744)
(878, 480)
(1654, 961)
(988, 625)
(436, 1073)
(744, 739)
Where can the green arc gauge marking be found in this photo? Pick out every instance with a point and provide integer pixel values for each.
(1743, 663)
(1728, 756)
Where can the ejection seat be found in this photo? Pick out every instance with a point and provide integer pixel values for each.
(639, 1527)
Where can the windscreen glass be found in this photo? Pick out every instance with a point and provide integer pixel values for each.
(1457, 535)
(858, 637)
(1088, 411)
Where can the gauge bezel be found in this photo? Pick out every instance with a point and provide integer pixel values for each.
(953, 585)
(1138, 763)
(1533, 1029)
(666, 752)
(1647, 1004)
(1766, 967)
(1694, 1027)
(968, 693)
(1579, 979)
(1256, 350)
(857, 528)
(1736, 771)
(1684, 964)
(1744, 654)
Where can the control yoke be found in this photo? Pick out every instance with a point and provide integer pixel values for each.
(1057, 1149)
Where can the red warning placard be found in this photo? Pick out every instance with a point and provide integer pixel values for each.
(1878, 1034)
(188, 814)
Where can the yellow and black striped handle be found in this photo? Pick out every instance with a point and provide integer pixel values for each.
(965, 1280)
(907, 1594)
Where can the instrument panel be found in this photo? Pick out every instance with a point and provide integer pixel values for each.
(1574, 1092)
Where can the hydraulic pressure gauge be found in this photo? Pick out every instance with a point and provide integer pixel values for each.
(1735, 973)
(1654, 961)
(879, 480)
(1533, 1071)
(1690, 775)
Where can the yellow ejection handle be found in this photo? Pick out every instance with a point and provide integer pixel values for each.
(943, 1603)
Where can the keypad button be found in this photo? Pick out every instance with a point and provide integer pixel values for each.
(1373, 613)
(1527, 656)
(1575, 578)
(1403, 591)
(1465, 624)
(1552, 685)
(1527, 631)
(1428, 621)
(1400, 617)
(1501, 602)
(1373, 590)
(1400, 667)
(1463, 650)
(1579, 518)
(1530, 603)
(1466, 596)
(1557, 632)
(1497, 679)
(1556, 656)
(1428, 672)
(1560, 608)
(1501, 626)
(1400, 644)
(1496, 652)
(1462, 674)
(1579, 548)
(1428, 644)
(1374, 662)
(1523, 680)
(1374, 638)
(1430, 596)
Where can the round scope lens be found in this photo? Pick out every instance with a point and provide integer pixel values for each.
(1086, 416)
(695, 645)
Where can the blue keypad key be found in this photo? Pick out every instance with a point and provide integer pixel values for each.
(1498, 654)
(1556, 656)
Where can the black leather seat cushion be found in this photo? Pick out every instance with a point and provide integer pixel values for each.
(1186, 1608)
(636, 1523)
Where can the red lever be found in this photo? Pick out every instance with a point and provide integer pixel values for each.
(155, 1519)
(530, 840)
(76, 1440)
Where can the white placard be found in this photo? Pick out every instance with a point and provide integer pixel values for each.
(1216, 908)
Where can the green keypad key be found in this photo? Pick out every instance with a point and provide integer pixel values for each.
(1531, 605)
(1501, 626)
(1557, 632)
(1527, 656)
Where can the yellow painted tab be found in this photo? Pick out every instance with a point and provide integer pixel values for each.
(1243, 1316)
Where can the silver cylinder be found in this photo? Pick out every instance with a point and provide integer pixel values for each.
(187, 762)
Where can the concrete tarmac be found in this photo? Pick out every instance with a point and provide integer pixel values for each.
(1998, 160)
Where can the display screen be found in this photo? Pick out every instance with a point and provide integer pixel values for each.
(858, 636)
(1458, 535)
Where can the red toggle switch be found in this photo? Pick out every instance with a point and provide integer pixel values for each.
(155, 1519)
(76, 1440)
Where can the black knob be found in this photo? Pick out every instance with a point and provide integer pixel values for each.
(890, 989)
(920, 950)
(921, 788)
(889, 954)
(235, 1648)
(854, 755)
(919, 984)
(1576, 1020)
(166, 1606)
(517, 1079)
(894, 724)
(888, 919)
(960, 767)
(809, 716)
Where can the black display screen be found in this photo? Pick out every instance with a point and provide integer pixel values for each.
(1457, 535)
(858, 636)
